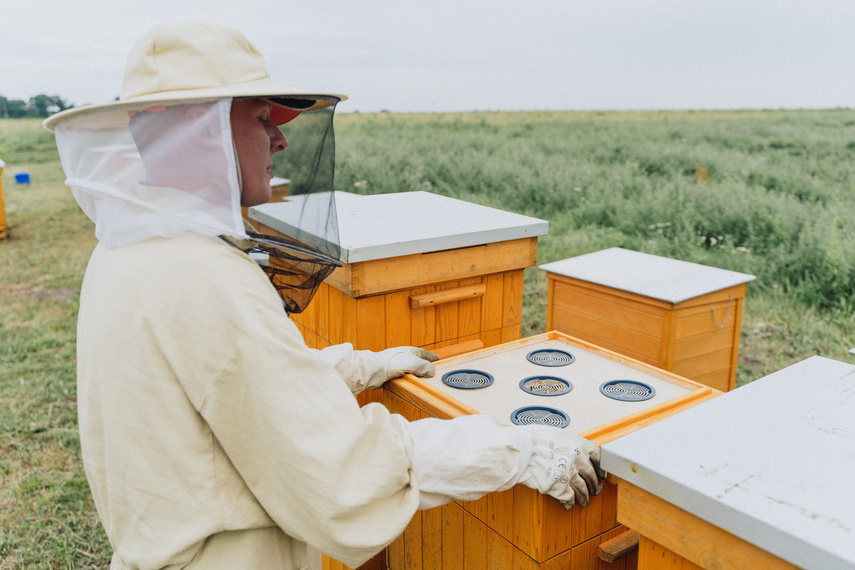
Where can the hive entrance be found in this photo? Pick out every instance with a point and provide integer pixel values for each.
(467, 379)
(540, 415)
(627, 390)
(545, 385)
(550, 357)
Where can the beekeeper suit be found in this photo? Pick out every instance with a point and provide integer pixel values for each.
(212, 437)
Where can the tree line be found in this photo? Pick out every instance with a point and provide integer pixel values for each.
(38, 106)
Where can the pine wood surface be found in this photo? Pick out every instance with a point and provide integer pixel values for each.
(697, 338)
(536, 526)
(693, 542)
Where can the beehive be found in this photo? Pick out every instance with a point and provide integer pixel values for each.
(420, 270)
(520, 528)
(678, 316)
(704, 494)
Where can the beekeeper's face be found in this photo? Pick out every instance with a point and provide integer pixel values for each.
(256, 139)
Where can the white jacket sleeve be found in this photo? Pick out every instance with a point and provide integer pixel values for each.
(468, 457)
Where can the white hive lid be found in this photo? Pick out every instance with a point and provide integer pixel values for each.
(771, 462)
(653, 276)
(381, 226)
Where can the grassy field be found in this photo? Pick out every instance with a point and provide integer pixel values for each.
(766, 193)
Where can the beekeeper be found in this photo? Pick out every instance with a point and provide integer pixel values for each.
(212, 437)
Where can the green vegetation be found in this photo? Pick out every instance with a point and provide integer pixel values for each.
(768, 193)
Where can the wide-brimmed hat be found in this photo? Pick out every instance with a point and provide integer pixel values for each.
(184, 63)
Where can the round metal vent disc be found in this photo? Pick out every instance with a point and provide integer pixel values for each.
(467, 379)
(627, 390)
(540, 415)
(545, 385)
(550, 357)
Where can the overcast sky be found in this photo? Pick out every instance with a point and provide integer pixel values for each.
(463, 55)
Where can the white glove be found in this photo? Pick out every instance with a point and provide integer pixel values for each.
(562, 465)
(470, 456)
(395, 362)
(363, 369)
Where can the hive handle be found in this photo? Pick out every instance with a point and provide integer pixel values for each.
(447, 296)
(618, 547)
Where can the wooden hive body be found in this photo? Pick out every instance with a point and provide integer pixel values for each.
(520, 528)
(678, 316)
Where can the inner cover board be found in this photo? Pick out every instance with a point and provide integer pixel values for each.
(585, 405)
(372, 226)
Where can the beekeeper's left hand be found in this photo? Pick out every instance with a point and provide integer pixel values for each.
(363, 369)
(395, 362)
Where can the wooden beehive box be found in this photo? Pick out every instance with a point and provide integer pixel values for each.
(678, 316)
(420, 270)
(519, 528)
(727, 475)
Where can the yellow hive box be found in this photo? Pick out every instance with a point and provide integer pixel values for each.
(520, 528)
(678, 316)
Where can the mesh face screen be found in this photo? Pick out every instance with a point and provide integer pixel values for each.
(300, 262)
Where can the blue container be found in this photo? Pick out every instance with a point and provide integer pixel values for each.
(22, 177)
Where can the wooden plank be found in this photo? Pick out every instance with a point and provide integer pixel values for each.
(704, 363)
(722, 380)
(500, 513)
(370, 332)
(453, 549)
(348, 320)
(423, 323)
(491, 309)
(322, 311)
(447, 316)
(628, 424)
(608, 292)
(500, 552)
(527, 521)
(432, 539)
(709, 341)
(694, 539)
(608, 335)
(705, 319)
(470, 310)
(366, 278)
(413, 543)
(616, 548)
(652, 556)
(475, 541)
(335, 321)
(512, 297)
(628, 313)
(397, 320)
(458, 348)
(459, 293)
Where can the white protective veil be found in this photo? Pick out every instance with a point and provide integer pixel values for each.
(163, 170)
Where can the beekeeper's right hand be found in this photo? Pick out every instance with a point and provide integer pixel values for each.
(470, 456)
(562, 465)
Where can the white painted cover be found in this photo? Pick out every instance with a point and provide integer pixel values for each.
(662, 278)
(381, 226)
(772, 462)
(585, 405)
